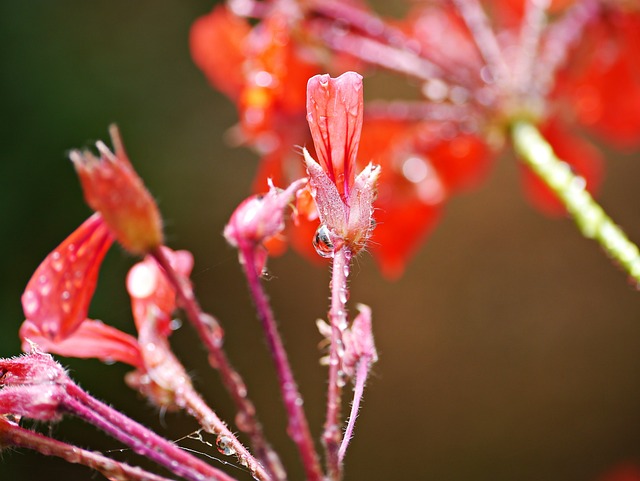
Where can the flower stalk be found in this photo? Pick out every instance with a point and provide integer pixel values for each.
(298, 426)
(13, 435)
(212, 336)
(591, 219)
(332, 435)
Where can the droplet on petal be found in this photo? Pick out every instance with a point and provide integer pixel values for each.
(322, 242)
(56, 299)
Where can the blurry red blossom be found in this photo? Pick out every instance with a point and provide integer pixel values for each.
(343, 199)
(479, 67)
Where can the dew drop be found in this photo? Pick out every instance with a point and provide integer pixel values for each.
(224, 445)
(344, 296)
(142, 281)
(30, 303)
(322, 242)
(57, 262)
(175, 324)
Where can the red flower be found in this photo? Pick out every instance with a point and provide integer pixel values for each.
(344, 200)
(113, 188)
(262, 69)
(479, 66)
(603, 78)
(57, 297)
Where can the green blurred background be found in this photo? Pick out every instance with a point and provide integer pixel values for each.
(509, 350)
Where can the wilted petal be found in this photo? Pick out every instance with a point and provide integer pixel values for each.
(58, 294)
(113, 188)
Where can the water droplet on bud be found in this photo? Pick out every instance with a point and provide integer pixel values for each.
(322, 242)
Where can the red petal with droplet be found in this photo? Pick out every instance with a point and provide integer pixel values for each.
(58, 294)
(92, 339)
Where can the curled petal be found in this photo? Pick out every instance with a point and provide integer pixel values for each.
(113, 188)
(92, 339)
(149, 288)
(58, 294)
(334, 113)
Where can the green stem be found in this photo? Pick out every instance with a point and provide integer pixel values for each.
(591, 219)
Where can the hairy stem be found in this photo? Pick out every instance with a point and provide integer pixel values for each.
(591, 219)
(14, 435)
(139, 438)
(362, 371)
(332, 435)
(298, 427)
(211, 423)
(212, 335)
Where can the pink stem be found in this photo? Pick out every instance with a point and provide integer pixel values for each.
(338, 320)
(478, 24)
(14, 435)
(211, 423)
(362, 373)
(139, 438)
(298, 427)
(212, 335)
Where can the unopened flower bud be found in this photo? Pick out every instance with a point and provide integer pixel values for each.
(114, 189)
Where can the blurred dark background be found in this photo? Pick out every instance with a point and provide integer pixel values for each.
(509, 350)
